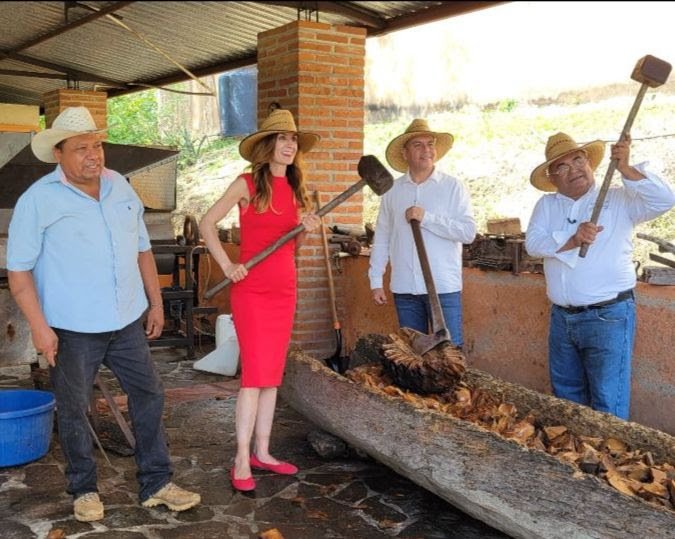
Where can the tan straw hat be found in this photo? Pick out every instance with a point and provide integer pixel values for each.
(559, 145)
(279, 121)
(72, 122)
(417, 128)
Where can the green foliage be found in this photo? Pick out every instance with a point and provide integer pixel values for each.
(507, 105)
(132, 119)
(154, 118)
(191, 147)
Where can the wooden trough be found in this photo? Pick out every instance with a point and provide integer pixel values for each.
(522, 492)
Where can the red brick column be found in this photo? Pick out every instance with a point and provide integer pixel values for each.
(316, 71)
(57, 100)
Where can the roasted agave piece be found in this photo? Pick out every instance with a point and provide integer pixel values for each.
(436, 371)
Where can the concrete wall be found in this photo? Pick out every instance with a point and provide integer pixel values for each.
(506, 330)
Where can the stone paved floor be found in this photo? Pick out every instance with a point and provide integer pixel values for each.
(348, 498)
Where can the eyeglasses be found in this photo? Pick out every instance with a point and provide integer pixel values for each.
(564, 169)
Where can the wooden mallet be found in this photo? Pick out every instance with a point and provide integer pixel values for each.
(372, 173)
(651, 72)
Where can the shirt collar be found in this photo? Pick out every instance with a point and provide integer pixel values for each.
(435, 177)
(59, 176)
(588, 194)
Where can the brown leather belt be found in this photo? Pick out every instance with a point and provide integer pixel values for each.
(622, 296)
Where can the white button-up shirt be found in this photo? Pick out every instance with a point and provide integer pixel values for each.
(447, 223)
(608, 266)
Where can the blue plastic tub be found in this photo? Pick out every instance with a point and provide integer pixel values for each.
(26, 423)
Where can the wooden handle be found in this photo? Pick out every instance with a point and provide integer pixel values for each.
(597, 208)
(437, 319)
(288, 236)
(329, 270)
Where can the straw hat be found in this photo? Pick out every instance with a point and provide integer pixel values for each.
(279, 121)
(72, 122)
(417, 128)
(559, 145)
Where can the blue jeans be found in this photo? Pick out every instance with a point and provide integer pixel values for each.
(590, 356)
(127, 355)
(414, 312)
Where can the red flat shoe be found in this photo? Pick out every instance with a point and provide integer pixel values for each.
(243, 485)
(283, 468)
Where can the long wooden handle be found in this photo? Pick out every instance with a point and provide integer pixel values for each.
(329, 270)
(267, 251)
(613, 164)
(437, 319)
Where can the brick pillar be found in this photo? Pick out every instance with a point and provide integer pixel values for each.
(316, 71)
(57, 100)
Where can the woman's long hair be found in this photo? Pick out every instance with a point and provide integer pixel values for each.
(261, 156)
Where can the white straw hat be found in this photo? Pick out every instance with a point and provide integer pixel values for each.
(72, 122)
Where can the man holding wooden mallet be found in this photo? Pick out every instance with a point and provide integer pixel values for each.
(592, 323)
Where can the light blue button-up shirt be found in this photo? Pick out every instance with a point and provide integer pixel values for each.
(83, 252)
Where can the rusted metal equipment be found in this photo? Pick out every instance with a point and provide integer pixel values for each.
(372, 173)
(658, 274)
(651, 72)
(337, 361)
(352, 240)
(502, 253)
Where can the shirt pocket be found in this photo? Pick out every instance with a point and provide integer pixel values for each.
(127, 213)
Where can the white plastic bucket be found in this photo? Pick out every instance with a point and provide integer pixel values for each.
(225, 358)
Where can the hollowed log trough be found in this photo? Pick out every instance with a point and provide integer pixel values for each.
(522, 492)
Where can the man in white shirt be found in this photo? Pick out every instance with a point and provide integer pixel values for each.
(442, 206)
(593, 314)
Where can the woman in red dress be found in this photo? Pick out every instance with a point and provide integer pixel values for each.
(271, 199)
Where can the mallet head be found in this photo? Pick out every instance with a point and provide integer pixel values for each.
(376, 176)
(651, 71)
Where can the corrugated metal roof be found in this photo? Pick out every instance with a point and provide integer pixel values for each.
(48, 45)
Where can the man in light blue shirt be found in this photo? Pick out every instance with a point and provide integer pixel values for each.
(81, 270)
(442, 205)
(593, 313)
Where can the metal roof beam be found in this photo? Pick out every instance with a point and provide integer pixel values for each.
(179, 76)
(74, 74)
(357, 13)
(444, 10)
(10, 91)
(43, 75)
(67, 27)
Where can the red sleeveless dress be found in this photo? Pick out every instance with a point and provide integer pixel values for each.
(263, 303)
